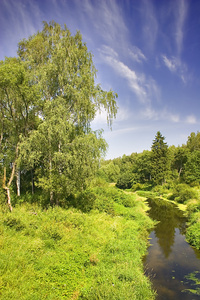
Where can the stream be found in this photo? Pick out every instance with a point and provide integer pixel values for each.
(171, 263)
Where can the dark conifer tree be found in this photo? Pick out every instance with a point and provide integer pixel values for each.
(159, 159)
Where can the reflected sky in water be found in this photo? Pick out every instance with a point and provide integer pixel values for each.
(170, 258)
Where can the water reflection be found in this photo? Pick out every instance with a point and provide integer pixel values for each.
(170, 259)
(169, 218)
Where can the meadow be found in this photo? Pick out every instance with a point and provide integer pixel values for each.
(59, 253)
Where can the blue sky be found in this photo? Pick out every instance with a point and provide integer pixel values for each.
(147, 51)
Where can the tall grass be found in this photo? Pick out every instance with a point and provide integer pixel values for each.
(68, 254)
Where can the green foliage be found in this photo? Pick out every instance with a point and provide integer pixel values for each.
(195, 282)
(125, 180)
(15, 223)
(106, 198)
(137, 187)
(109, 171)
(142, 167)
(182, 193)
(180, 159)
(52, 98)
(193, 142)
(163, 190)
(193, 206)
(193, 235)
(192, 168)
(2, 197)
(193, 225)
(85, 201)
(160, 163)
(67, 254)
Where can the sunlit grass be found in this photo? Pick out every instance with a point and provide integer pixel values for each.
(68, 254)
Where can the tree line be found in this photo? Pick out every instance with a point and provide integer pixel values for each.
(48, 98)
(162, 165)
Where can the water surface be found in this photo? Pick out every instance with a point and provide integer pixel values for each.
(170, 259)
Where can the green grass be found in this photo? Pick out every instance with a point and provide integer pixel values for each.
(68, 254)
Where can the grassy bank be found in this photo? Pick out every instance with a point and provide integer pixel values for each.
(67, 254)
(187, 199)
(193, 225)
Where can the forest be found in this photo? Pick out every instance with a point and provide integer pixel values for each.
(74, 225)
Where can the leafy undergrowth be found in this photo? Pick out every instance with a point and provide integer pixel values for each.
(68, 254)
(193, 230)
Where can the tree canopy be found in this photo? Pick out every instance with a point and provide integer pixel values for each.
(48, 98)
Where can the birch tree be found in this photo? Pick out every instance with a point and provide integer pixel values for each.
(63, 148)
(18, 99)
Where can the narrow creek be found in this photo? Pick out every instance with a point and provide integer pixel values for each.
(172, 264)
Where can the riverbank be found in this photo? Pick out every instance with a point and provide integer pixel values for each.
(190, 208)
(68, 254)
(172, 263)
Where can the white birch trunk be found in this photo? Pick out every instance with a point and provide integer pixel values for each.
(18, 181)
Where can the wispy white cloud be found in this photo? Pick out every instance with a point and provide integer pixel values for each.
(105, 19)
(136, 54)
(150, 23)
(180, 15)
(175, 65)
(143, 88)
(153, 89)
(151, 114)
(165, 115)
(23, 17)
(191, 119)
(172, 64)
(108, 51)
(135, 81)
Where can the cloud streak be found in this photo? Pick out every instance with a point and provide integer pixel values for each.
(151, 114)
(106, 19)
(176, 66)
(20, 15)
(180, 15)
(191, 119)
(150, 23)
(143, 88)
(136, 54)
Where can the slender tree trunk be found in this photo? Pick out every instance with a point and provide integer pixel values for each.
(51, 198)
(7, 186)
(18, 181)
(179, 173)
(9, 198)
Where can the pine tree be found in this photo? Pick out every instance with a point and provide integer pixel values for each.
(159, 160)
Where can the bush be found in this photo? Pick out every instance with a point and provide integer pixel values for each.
(84, 200)
(15, 223)
(2, 197)
(125, 181)
(193, 206)
(193, 235)
(182, 193)
(137, 187)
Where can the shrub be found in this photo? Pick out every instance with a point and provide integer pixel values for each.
(193, 206)
(182, 193)
(137, 187)
(15, 223)
(84, 200)
(193, 235)
(125, 180)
